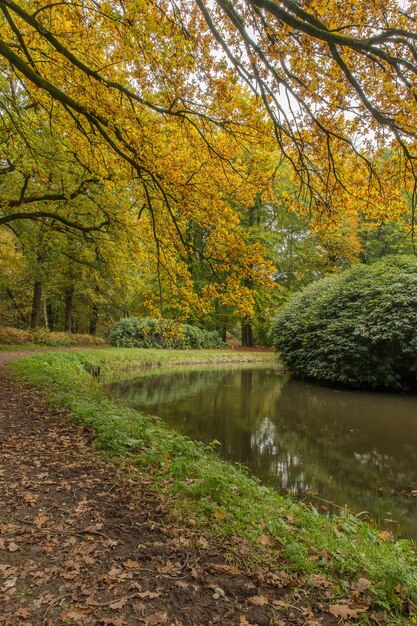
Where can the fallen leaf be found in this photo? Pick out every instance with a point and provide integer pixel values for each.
(155, 618)
(266, 540)
(76, 615)
(385, 535)
(8, 584)
(68, 575)
(181, 584)
(148, 594)
(12, 547)
(258, 600)
(119, 604)
(40, 520)
(129, 564)
(320, 581)
(217, 568)
(281, 603)
(202, 542)
(169, 568)
(344, 611)
(244, 622)
(363, 584)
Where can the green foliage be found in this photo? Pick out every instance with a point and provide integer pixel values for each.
(132, 332)
(219, 496)
(199, 338)
(358, 328)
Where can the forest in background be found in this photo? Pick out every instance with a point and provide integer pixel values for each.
(169, 159)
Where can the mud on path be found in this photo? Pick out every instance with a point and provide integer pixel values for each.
(82, 543)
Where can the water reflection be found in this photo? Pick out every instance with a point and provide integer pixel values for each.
(347, 447)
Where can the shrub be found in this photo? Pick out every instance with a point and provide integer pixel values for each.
(87, 340)
(132, 332)
(9, 335)
(358, 328)
(147, 332)
(199, 338)
(15, 336)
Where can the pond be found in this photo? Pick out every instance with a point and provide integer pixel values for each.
(336, 448)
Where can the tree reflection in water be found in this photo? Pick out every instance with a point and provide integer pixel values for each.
(352, 448)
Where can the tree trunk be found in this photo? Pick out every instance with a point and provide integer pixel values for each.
(224, 333)
(50, 314)
(36, 305)
(45, 315)
(92, 328)
(247, 333)
(69, 302)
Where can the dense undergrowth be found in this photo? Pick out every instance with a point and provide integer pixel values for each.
(146, 332)
(219, 496)
(40, 337)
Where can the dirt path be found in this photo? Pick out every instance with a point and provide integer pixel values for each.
(81, 543)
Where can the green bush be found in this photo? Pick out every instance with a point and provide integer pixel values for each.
(132, 332)
(199, 338)
(358, 328)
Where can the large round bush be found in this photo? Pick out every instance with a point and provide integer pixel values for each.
(358, 328)
(147, 332)
(132, 332)
(199, 338)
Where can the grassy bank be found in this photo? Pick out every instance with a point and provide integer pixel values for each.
(13, 347)
(218, 496)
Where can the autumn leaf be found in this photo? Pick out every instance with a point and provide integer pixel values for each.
(244, 622)
(148, 594)
(344, 611)
(129, 564)
(169, 568)
(40, 520)
(385, 535)
(320, 581)
(219, 568)
(258, 600)
(11, 582)
(156, 618)
(266, 540)
(119, 604)
(362, 585)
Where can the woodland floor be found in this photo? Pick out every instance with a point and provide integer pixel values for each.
(83, 543)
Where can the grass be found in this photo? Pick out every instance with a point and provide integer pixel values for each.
(219, 496)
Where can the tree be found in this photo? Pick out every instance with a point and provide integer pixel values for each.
(162, 99)
(329, 74)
